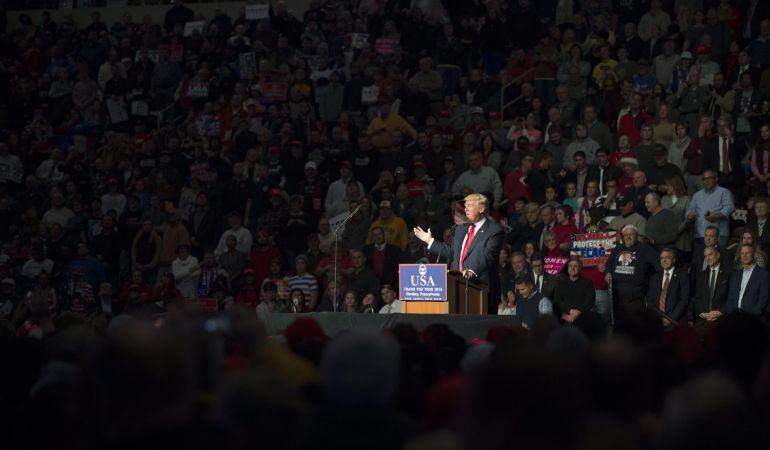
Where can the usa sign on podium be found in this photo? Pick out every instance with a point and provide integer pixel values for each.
(422, 282)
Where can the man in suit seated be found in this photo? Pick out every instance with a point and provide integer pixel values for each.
(475, 248)
(749, 286)
(382, 258)
(710, 290)
(545, 283)
(669, 289)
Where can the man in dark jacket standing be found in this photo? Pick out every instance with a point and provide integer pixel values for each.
(628, 271)
(574, 295)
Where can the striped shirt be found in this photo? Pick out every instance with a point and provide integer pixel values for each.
(307, 283)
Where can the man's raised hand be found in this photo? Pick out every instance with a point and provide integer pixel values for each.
(423, 235)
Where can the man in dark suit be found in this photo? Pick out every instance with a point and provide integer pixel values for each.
(429, 207)
(699, 263)
(669, 289)
(541, 176)
(760, 225)
(202, 223)
(722, 154)
(710, 290)
(382, 258)
(749, 286)
(527, 231)
(545, 283)
(603, 170)
(475, 248)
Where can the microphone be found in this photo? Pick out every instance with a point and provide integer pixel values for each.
(452, 232)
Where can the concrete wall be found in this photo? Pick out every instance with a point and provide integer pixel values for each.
(82, 16)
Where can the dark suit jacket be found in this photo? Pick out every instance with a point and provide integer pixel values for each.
(677, 296)
(521, 233)
(389, 266)
(696, 264)
(701, 302)
(757, 291)
(481, 258)
(538, 180)
(549, 284)
(711, 160)
(764, 240)
(206, 230)
(610, 173)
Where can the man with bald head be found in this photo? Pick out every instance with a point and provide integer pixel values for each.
(629, 270)
(662, 226)
(639, 192)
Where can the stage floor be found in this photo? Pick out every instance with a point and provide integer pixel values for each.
(469, 327)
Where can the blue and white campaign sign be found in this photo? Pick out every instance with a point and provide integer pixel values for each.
(422, 282)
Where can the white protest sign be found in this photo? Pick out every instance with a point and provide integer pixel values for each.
(369, 94)
(140, 108)
(191, 27)
(198, 89)
(740, 214)
(257, 12)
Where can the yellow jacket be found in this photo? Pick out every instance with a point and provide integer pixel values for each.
(395, 229)
(380, 130)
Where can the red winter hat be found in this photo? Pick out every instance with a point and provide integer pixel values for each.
(303, 331)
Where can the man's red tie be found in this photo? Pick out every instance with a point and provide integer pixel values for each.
(471, 232)
(725, 157)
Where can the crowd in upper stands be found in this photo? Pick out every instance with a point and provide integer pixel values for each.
(151, 170)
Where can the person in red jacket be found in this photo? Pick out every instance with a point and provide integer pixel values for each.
(263, 252)
(166, 291)
(564, 227)
(631, 123)
(516, 185)
(249, 293)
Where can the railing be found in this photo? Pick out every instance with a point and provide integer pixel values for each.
(503, 104)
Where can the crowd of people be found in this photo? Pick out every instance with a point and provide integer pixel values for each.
(143, 163)
(268, 163)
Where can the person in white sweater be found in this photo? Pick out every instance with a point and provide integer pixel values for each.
(185, 269)
(479, 179)
(242, 235)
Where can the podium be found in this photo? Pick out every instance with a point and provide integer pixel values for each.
(456, 301)
(477, 295)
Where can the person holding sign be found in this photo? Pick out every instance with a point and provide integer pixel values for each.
(475, 247)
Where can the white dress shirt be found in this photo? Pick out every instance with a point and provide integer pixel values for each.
(670, 273)
(722, 150)
(393, 308)
(744, 283)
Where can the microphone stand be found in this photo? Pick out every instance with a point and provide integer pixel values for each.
(336, 238)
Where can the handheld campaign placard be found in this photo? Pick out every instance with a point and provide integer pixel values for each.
(422, 282)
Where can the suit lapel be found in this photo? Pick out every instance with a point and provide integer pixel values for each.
(477, 237)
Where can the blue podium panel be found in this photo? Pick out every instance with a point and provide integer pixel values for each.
(422, 282)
